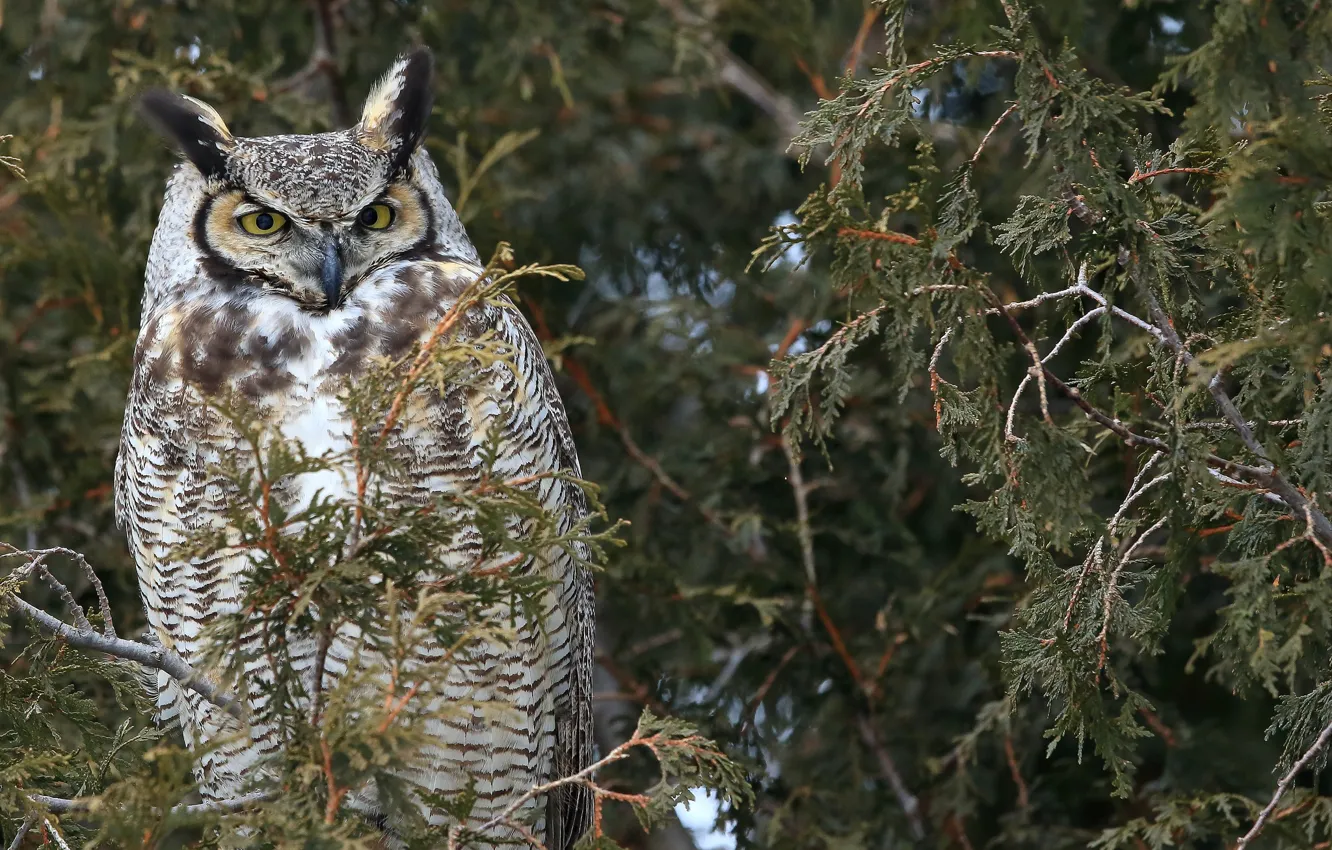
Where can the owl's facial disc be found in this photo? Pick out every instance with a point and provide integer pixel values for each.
(310, 216)
(316, 261)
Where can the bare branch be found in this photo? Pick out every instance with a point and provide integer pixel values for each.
(1268, 476)
(152, 657)
(1112, 586)
(985, 140)
(23, 829)
(38, 566)
(323, 61)
(36, 560)
(739, 76)
(90, 805)
(800, 490)
(1284, 785)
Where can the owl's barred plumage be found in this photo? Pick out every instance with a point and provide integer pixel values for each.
(283, 319)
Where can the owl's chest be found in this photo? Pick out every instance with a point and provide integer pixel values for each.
(304, 398)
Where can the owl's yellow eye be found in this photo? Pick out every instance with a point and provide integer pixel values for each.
(376, 216)
(263, 223)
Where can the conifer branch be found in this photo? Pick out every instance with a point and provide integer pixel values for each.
(1284, 785)
(1139, 176)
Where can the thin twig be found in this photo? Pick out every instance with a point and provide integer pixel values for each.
(985, 140)
(800, 491)
(1112, 587)
(1284, 785)
(1139, 176)
(36, 556)
(1010, 754)
(766, 686)
(38, 566)
(888, 770)
(582, 777)
(1094, 313)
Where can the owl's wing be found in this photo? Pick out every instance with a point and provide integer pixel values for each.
(153, 470)
(569, 809)
(164, 495)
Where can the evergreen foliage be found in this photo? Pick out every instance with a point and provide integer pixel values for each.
(981, 501)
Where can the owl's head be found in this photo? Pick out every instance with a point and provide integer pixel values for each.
(311, 216)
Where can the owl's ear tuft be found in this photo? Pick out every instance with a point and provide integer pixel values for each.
(397, 111)
(194, 126)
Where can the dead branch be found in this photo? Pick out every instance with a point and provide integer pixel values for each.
(1266, 476)
(738, 75)
(1284, 785)
(146, 655)
(888, 770)
(90, 805)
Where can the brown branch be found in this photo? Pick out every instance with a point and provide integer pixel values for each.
(882, 236)
(335, 794)
(1139, 176)
(888, 770)
(1159, 727)
(1023, 797)
(838, 644)
(766, 686)
(985, 140)
(858, 46)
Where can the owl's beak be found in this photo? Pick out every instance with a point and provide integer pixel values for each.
(330, 273)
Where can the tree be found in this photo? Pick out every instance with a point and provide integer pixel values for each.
(1064, 270)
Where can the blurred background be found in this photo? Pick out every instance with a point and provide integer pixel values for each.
(648, 141)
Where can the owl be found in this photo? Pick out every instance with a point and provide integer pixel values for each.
(280, 269)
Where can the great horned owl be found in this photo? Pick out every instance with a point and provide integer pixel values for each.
(280, 265)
